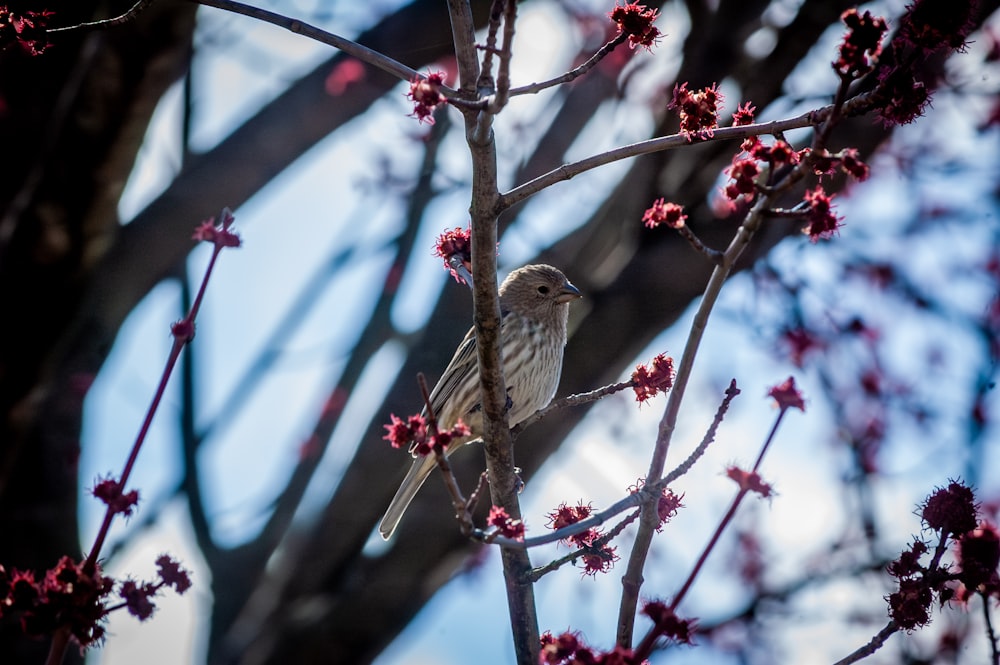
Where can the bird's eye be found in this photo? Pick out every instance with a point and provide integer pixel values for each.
(543, 289)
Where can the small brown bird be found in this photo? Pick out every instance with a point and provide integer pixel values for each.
(534, 307)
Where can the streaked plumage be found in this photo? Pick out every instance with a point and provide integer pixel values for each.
(534, 306)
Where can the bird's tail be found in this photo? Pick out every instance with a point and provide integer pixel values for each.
(415, 477)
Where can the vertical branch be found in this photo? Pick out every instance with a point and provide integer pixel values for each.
(463, 33)
(503, 72)
(632, 580)
(496, 428)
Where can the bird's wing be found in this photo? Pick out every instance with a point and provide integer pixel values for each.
(463, 364)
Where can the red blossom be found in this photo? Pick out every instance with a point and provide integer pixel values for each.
(415, 433)
(172, 574)
(668, 624)
(929, 25)
(425, 93)
(560, 650)
(660, 212)
(787, 395)
(821, 221)
(903, 98)
(979, 555)
(648, 381)
(951, 510)
(851, 162)
(698, 109)
(908, 563)
(218, 233)
(778, 152)
(636, 21)
(909, 607)
(457, 243)
(667, 506)
(137, 598)
(27, 28)
(744, 172)
(599, 560)
(510, 528)
(68, 596)
(861, 44)
(749, 481)
(399, 433)
(110, 492)
(744, 114)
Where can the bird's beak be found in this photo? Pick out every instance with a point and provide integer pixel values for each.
(568, 292)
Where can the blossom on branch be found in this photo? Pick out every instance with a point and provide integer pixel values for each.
(636, 21)
(425, 93)
(415, 433)
(661, 212)
(787, 395)
(118, 501)
(218, 233)
(455, 243)
(657, 377)
(504, 524)
(668, 624)
(749, 481)
(862, 43)
(698, 109)
(27, 28)
(821, 221)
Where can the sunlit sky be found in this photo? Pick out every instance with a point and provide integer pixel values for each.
(331, 198)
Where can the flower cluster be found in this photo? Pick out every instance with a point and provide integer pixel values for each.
(744, 114)
(787, 395)
(597, 557)
(568, 648)
(951, 512)
(666, 623)
(26, 28)
(455, 243)
(425, 93)
(698, 109)
(415, 433)
(75, 595)
(661, 212)
(824, 162)
(930, 25)
(903, 98)
(504, 524)
(749, 481)
(667, 506)
(218, 233)
(636, 21)
(862, 43)
(927, 27)
(657, 377)
(110, 492)
(821, 221)
(743, 173)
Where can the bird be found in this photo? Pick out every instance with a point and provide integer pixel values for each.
(534, 309)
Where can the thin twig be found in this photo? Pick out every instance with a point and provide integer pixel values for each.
(486, 81)
(506, 54)
(713, 255)
(573, 74)
(129, 15)
(874, 645)
(352, 48)
(570, 400)
(594, 547)
(855, 106)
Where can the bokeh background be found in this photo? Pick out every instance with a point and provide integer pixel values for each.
(265, 472)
